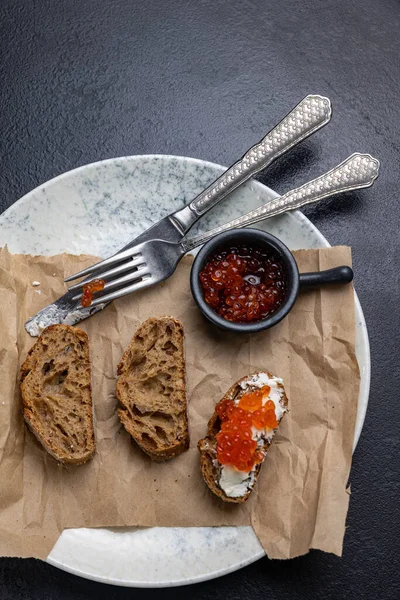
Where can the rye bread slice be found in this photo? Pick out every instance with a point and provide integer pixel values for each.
(210, 467)
(152, 389)
(56, 394)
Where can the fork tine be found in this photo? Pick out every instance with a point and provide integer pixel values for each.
(113, 260)
(128, 265)
(145, 281)
(118, 282)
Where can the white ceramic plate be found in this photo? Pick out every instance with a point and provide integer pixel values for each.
(97, 209)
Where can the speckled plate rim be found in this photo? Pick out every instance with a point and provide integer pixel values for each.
(363, 358)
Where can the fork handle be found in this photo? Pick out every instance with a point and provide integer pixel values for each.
(357, 171)
(312, 113)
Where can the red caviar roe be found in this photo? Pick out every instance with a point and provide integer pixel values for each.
(89, 289)
(253, 400)
(235, 446)
(244, 284)
(265, 417)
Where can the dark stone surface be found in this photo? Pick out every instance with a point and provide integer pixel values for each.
(83, 81)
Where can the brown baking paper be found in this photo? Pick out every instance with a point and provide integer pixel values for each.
(300, 500)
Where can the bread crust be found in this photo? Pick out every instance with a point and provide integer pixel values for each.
(207, 445)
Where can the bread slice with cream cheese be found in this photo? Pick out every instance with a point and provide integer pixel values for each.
(225, 481)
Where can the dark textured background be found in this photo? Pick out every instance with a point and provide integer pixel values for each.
(83, 80)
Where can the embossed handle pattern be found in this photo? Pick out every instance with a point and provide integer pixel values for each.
(309, 115)
(357, 171)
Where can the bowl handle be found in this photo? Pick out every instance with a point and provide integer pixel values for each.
(341, 274)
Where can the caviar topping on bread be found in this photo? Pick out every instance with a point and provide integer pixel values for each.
(239, 434)
(152, 388)
(56, 394)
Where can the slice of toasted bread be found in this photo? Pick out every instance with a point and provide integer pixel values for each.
(241, 485)
(152, 388)
(57, 396)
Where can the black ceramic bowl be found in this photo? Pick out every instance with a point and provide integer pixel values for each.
(260, 239)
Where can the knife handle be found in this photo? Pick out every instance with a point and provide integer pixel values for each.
(357, 171)
(312, 113)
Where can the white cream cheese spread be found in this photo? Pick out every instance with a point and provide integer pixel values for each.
(235, 483)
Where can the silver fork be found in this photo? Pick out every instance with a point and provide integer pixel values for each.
(154, 261)
(312, 113)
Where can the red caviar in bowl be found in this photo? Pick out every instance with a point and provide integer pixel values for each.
(89, 289)
(244, 284)
(235, 445)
